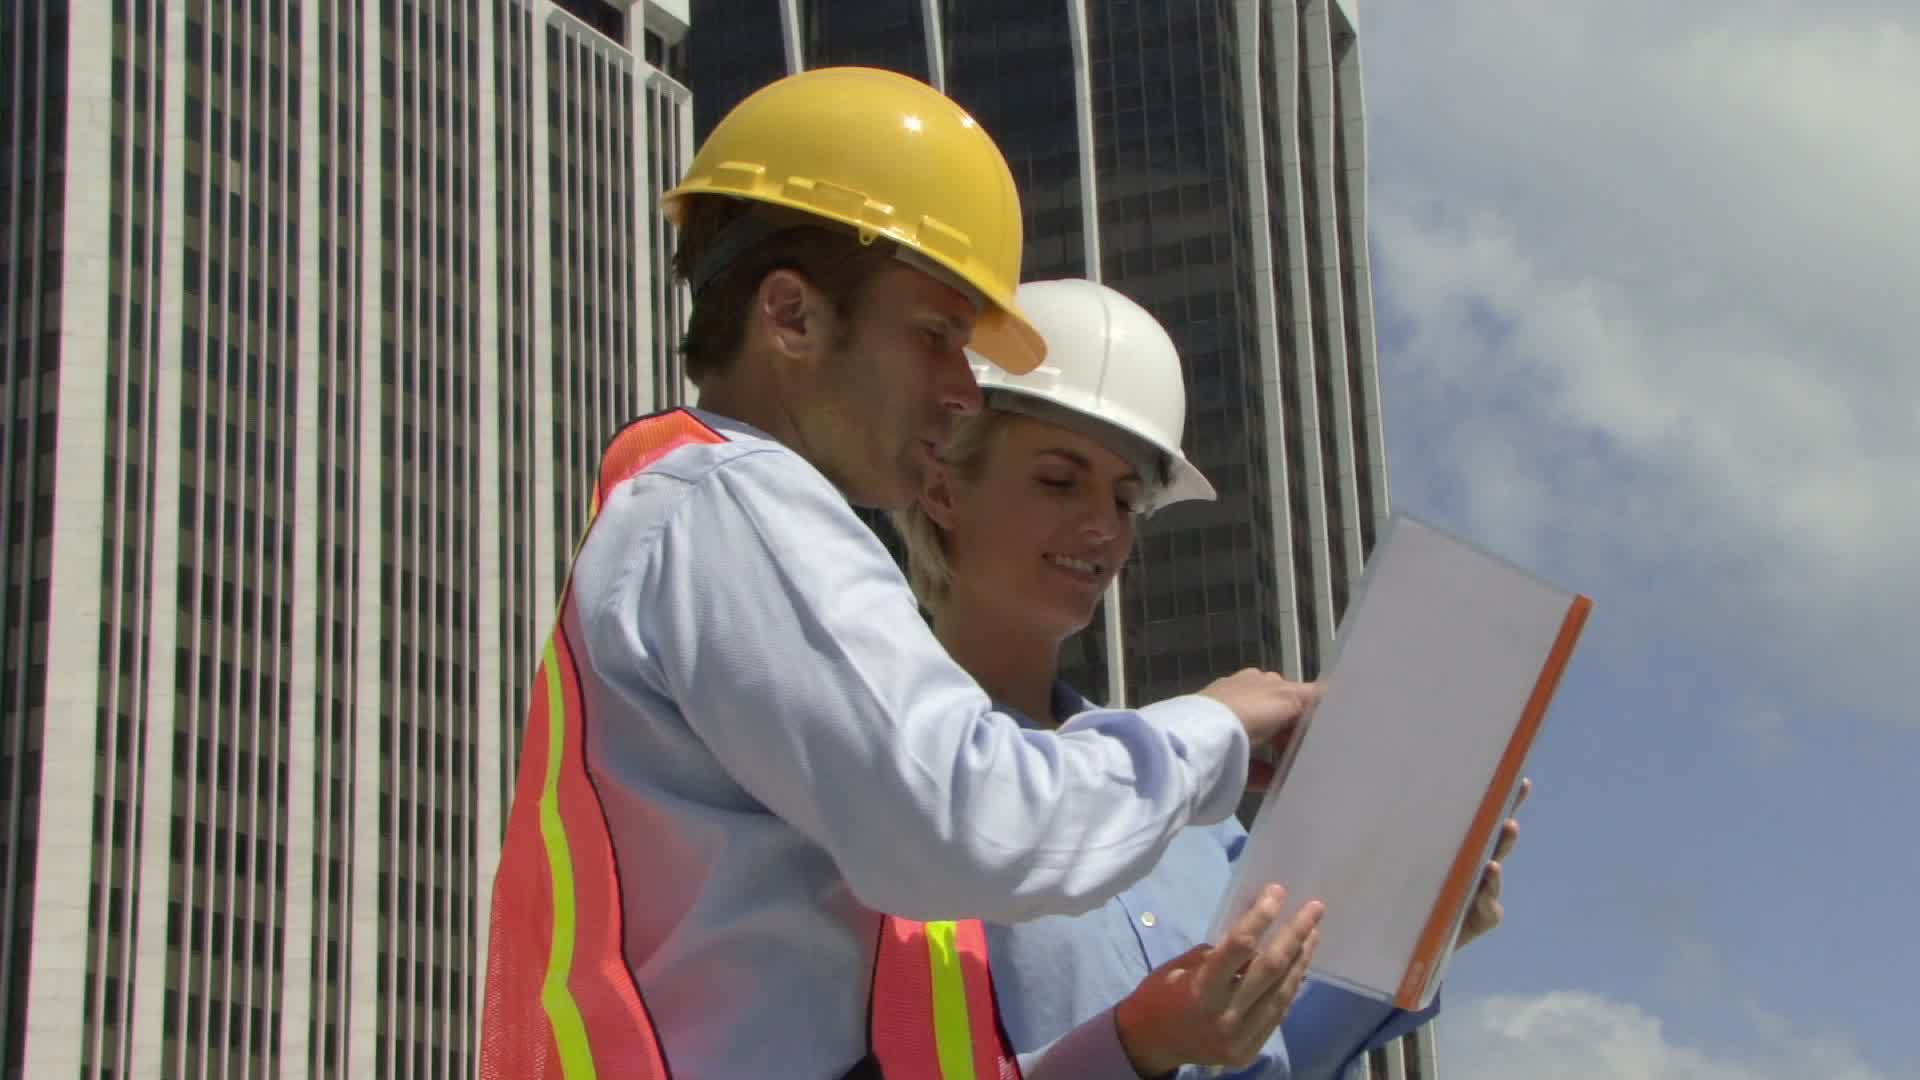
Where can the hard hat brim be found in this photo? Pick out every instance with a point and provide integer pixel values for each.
(1004, 338)
(1185, 484)
(1003, 335)
(1184, 481)
(886, 155)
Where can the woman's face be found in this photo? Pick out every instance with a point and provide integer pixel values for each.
(1043, 529)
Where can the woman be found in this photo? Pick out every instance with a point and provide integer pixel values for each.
(1011, 547)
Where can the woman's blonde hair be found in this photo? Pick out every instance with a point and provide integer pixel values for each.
(965, 457)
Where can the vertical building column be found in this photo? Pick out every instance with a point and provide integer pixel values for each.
(1343, 529)
(937, 41)
(1426, 1052)
(19, 468)
(1370, 418)
(198, 820)
(417, 640)
(1253, 95)
(453, 550)
(670, 142)
(642, 132)
(633, 392)
(792, 33)
(306, 723)
(363, 1002)
(488, 605)
(63, 865)
(236, 980)
(543, 342)
(518, 634)
(1284, 69)
(590, 85)
(1080, 33)
(680, 161)
(565, 379)
(155, 870)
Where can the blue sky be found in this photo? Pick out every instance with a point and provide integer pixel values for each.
(1646, 282)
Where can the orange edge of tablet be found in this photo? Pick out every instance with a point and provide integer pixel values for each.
(1465, 873)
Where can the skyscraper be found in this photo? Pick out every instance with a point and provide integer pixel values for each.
(1208, 158)
(315, 316)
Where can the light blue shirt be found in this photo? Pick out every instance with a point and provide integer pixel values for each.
(1058, 978)
(783, 749)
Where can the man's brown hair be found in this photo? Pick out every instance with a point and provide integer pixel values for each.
(831, 258)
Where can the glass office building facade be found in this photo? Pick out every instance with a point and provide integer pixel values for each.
(1208, 158)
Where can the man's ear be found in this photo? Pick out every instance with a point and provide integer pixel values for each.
(791, 314)
(936, 496)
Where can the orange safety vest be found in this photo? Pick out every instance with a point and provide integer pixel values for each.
(561, 1002)
(932, 1015)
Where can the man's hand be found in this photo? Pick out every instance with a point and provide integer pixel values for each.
(1218, 1005)
(1269, 705)
(1485, 912)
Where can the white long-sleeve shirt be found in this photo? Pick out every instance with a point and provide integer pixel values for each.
(783, 748)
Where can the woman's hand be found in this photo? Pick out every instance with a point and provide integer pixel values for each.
(1486, 911)
(1218, 1004)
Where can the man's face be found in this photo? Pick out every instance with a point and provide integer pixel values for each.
(881, 402)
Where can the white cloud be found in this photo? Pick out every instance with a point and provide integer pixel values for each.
(1763, 734)
(1656, 264)
(1575, 1035)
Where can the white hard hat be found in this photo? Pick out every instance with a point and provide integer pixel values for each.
(1110, 362)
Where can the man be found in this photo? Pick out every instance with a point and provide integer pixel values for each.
(781, 749)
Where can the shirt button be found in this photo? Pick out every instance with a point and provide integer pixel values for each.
(1148, 919)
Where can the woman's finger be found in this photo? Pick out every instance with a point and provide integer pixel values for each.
(1491, 882)
(1269, 970)
(1509, 835)
(1267, 1013)
(1290, 986)
(1220, 974)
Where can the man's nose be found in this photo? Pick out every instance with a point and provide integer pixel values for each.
(959, 391)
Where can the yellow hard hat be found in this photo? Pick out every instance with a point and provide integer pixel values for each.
(889, 156)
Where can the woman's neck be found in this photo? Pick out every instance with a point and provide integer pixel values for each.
(1017, 666)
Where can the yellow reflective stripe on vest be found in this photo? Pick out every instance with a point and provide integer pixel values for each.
(952, 1033)
(569, 1031)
